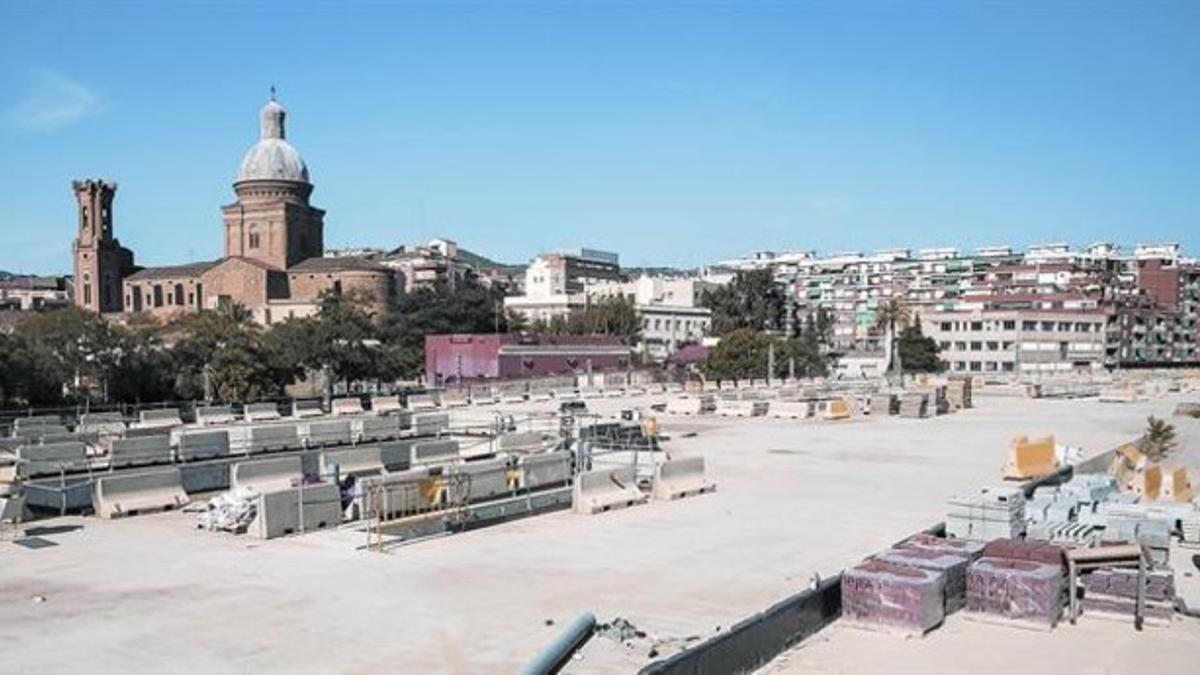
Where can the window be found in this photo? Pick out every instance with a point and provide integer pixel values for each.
(976, 325)
(253, 240)
(1010, 325)
(87, 290)
(1028, 325)
(1047, 325)
(178, 294)
(158, 296)
(945, 326)
(976, 346)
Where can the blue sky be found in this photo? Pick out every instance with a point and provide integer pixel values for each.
(672, 133)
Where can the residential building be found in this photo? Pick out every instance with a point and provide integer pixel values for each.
(669, 307)
(555, 282)
(31, 293)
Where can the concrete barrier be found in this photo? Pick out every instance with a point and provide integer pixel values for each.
(362, 461)
(836, 409)
(346, 406)
(297, 510)
(422, 402)
(160, 418)
(140, 451)
(399, 494)
(104, 424)
(741, 408)
(681, 478)
(606, 489)
(302, 409)
(261, 412)
(265, 475)
(324, 433)
(455, 399)
(51, 459)
(527, 441)
(487, 479)
(427, 424)
(20, 425)
(215, 414)
(544, 470)
(434, 452)
(696, 404)
(382, 405)
(273, 437)
(127, 494)
(203, 445)
(797, 410)
(377, 428)
(539, 395)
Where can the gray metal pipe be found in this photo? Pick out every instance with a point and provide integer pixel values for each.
(556, 654)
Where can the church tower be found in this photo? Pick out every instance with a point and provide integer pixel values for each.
(272, 221)
(100, 261)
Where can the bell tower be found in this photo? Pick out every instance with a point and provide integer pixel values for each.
(100, 262)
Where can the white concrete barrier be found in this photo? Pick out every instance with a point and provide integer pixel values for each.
(539, 395)
(399, 494)
(304, 508)
(273, 437)
(163, 418)
(487, 479)
(383, 428)
(265, 475)
(261, 412)
(215, 414)
(426, 424)
(303, 409)
(346, 406)
(422, 402)
(203, 445)
(434, 452)
(383, 405)
(51, 458)
(127, 494)
(544, 470)
(741, 408)
(606, 489)
(455, 399)
(791, 409)
(140, 451)
(104, 424)
(680, 478)
(322, 433)
(698, 404)
(369, 460)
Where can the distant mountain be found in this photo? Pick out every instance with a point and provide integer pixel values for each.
(6, 275)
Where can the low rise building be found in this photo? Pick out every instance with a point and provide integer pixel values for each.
(32, 293)
(1019, 341)
(478, 357)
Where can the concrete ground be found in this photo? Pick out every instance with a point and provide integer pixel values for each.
(152, 593)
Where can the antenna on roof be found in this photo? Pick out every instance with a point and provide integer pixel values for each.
(272, 92)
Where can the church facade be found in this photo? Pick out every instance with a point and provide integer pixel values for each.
(273, 262)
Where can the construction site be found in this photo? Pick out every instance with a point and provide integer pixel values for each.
(796, 526)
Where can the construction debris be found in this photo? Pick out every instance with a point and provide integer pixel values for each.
(231, 511)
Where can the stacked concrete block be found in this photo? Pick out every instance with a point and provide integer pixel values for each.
(1065, 533)
(1023, 549)
(883, 405)
(1142, 523)
(884, 595)
(297, 510)
(951, 565)
(914, 404)
(1113, 591)
(958, 394)
(1023, 591)
(971, 550)
(991, 513)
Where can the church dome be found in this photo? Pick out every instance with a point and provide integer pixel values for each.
(272, 158)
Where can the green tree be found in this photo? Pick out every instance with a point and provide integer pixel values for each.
(741, 354)
(1159, 438)
(752, 300)
(919, 354)
(226, 345)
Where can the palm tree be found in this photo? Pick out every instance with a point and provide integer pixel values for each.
(892, 313)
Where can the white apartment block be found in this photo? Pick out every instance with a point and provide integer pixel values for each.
(1023, 342)
(670, 310)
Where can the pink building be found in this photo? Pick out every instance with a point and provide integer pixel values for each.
(491, 356)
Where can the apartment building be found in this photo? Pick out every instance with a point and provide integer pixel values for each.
(555, 282)
(669, 307)
(1020, 341)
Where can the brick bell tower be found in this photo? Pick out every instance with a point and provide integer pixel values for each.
(101, 263)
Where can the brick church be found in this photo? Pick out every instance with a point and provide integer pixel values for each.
(273, 262)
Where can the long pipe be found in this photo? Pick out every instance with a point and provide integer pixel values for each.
(555, 655)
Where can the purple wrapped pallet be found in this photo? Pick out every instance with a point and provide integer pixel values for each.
(1025, 549)
(1122, 583)
(967, 548)
(1021, 590)
(951, 564)
(898, 597)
